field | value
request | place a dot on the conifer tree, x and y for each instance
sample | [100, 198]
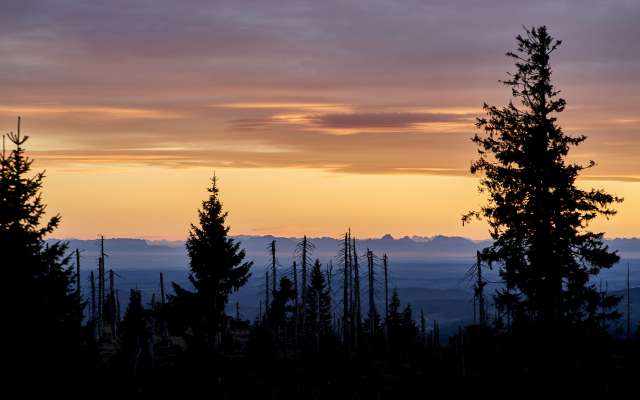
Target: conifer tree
[318, 304]
[394, 318]
[281, 304]
[408, 325]
[217, 268]
[134, 335]
[537, 215]
[45, 312]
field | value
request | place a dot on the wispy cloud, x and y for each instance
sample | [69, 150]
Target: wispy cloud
[357, 87]
[111, 112]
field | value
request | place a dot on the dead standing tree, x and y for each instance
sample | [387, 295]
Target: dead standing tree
[329, 273]
[92, 312]
[78, 290]
[385, 264]
[101, 290]
[274, 263]
[346, 295]
[474, 275]
[296, 305]
[304, 251]
[357, 314]
[372, 305]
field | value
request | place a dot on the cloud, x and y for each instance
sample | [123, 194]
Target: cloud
[348, 86]
[112, 112]
[383, 120]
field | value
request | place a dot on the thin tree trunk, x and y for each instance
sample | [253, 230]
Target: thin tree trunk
[345, 296]
[357, 317]
[92, 280]
[273, 266]
[303, 298]
[372, 307]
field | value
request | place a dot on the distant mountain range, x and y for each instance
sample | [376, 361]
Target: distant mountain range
[429, 272]
[142, 254]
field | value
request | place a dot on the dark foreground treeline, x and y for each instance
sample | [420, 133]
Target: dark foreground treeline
[319, 332]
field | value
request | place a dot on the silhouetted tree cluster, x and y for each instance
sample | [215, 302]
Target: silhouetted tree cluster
[322, 333]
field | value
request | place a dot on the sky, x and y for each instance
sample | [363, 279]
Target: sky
[316, 116]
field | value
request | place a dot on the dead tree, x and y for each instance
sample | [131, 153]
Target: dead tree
[474, 274]
[272, 248]
[385, 263]
[357, 315]
[482, 311]
[101, 294]
[296, 310]
[345, 296]
[92, 313]
[372, 306]
[304, 250]
[350, 285]
[78, 293]
[329, 274]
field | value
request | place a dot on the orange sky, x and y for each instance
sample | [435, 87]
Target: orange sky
[315, 117]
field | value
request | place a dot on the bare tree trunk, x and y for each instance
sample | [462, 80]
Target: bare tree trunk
[372, 307]
[101, 279]
[78, 293]
[345, 296]
[273, 266]
[482, 312]
[357, 316]
[303, 298]
[92, 280]
[385, 263]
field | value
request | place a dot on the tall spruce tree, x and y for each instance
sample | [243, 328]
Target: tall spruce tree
[537, 215]
[42, 312]
[217, 268]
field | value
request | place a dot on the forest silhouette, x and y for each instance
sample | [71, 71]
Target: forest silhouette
[321, 330]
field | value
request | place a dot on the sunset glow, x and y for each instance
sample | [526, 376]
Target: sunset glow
[314, 118]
